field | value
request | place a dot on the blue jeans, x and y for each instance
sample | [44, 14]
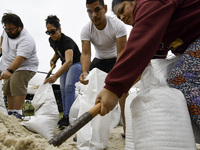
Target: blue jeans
[67, 86]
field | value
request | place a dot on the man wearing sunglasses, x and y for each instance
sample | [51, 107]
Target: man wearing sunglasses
[19, 62]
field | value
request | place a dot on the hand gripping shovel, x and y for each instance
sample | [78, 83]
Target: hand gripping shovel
[58, 139]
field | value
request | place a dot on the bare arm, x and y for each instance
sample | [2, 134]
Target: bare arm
[63, 68]
[53, 60]
[1, 44]
[121, 42]
[17, 62]
[85, 61]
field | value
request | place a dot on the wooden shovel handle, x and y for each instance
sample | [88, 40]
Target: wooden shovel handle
[50, 71]
[95, 110]
[58, 139]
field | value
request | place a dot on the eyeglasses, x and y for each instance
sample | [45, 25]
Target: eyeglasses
[53, 31]
[7, 29]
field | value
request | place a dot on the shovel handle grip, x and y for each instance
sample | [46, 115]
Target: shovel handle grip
[95, 110]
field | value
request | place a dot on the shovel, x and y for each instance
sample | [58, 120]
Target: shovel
[58, 139]
[50, 71]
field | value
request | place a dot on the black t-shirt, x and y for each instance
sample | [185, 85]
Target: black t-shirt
[64, 44]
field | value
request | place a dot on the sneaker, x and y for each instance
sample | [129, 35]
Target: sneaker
[10, 113]
[63, 122]
[123, 135]
[17, 115]
[75, 139]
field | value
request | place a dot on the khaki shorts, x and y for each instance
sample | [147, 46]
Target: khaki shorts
[17, 84]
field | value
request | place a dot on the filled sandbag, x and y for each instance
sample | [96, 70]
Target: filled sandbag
[2, 103]
[160, 118]
[129, 143]
[74, 110]
[46, 114]
[95, 134]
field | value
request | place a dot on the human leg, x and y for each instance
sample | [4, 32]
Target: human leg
[72, 77]
[15, 102]
[122, 101]
[62, 88]
[68, 91]
[185, 76]
[15, 90]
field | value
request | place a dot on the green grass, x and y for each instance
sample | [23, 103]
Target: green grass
[28, 109]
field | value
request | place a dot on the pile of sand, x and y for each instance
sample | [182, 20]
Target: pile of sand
[13, 136]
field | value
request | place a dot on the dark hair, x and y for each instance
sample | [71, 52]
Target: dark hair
[54, 20]
[92, 1]
[115, 2]
[11, 18]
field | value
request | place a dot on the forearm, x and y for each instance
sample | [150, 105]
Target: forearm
[54, 58]
[17, 62]
[1, 44]
[85, 62]
[121, 43]
[63, 69]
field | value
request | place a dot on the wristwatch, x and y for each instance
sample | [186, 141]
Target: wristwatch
[10, 70]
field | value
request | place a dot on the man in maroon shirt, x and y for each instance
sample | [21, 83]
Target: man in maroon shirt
[158, 26]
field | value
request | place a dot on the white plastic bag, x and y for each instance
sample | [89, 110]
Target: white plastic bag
[46, 113]
[160, 115]
[2, 104]
[74, 110]
[95, 134]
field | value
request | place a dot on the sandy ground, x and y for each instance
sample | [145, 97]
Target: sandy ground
[13, 136]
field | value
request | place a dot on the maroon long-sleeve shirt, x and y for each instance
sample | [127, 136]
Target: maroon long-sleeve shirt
[157, 24]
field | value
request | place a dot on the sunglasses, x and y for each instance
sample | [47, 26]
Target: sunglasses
[53, 31]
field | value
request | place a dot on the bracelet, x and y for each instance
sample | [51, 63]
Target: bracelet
[10, 70]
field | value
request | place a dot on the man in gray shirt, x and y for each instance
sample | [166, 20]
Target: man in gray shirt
[19, 62]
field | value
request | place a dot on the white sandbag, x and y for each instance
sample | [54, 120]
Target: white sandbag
[129, 143]
[2, 103]
[161, 120]
[74, 110]
[196, 132]
[157, 73]
[115, 116]
[160, 115]
[44, 125]
[95, 134]
[45, 98]
[46, 113]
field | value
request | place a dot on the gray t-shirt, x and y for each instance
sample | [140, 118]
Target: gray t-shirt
[23, 45]
[104, 41]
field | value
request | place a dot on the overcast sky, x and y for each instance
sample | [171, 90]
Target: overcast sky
[72, 15]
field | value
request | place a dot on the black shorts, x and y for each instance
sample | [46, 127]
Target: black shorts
[103, 64]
